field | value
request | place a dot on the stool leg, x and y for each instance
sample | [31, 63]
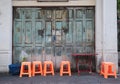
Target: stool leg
[41, 69]
[61, 70]
[105, 71]
[115, 75]
[52, 69]
[29, 70]
[69, 69]
[21, 70]
[33, 70]
[45, 69]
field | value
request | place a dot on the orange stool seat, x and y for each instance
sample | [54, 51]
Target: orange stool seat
[108, 68]
[48, 68]
[65, 68]
[25, 69]
[36, 67]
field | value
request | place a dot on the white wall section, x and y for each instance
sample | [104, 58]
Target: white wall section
[69, 3]
[106, 32]
[5, 34]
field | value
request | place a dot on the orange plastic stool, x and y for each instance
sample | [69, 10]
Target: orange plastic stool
[36, 67]
[108, 68]
[65, 68]
[24, 71]
[48, 68]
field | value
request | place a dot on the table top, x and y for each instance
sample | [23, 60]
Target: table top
[84, 54]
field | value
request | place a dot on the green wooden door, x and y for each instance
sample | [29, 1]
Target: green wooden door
[84, 31]
[52, 33]
[27, 42]
[55, 21]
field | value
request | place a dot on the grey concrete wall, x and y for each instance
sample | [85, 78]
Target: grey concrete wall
[5, 34]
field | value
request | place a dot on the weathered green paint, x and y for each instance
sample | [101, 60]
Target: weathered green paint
[57, 31]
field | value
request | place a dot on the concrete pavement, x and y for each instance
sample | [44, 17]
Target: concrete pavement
[83, 78]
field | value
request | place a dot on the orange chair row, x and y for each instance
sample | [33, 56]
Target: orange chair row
[30, 69]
